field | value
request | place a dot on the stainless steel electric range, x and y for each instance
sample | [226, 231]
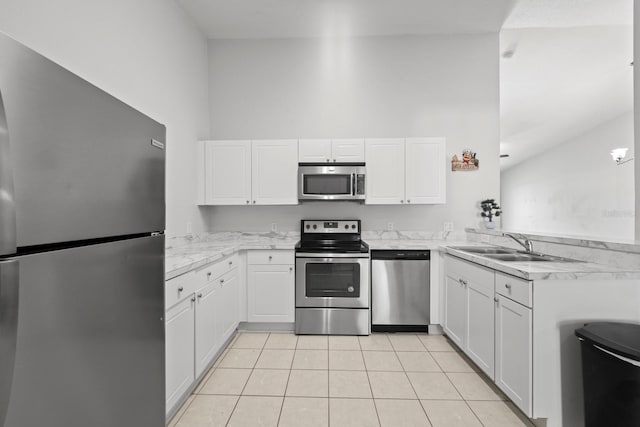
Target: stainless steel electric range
[333, 291]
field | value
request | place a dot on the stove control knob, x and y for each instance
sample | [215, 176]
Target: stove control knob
[353, 226]
[315, 226]
[350, 289]
[346, 226]
[308, 226]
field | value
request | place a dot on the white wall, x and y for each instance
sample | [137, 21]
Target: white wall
[576, 188]
[147, 53]
[362, 87]
[636, 97]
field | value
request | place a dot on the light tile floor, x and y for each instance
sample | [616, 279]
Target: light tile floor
[280, 379]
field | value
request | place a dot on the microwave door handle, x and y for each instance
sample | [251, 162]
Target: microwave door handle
[354, 184]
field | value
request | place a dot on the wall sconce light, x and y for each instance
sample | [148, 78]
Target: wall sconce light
[618, 155]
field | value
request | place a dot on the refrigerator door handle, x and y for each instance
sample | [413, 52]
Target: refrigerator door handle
[9, 296]
[7, 199]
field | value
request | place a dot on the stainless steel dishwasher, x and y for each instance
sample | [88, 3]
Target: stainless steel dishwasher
[400, 289]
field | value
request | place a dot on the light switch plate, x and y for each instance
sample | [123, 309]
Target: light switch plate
[274, 227]
[448, 226]
[389, 226]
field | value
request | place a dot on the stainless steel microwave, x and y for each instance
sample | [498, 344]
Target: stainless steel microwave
[320, 181]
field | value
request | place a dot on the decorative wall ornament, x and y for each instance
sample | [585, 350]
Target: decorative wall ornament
[468, 162]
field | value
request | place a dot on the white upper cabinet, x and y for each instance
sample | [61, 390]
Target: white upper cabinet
[347, 150]
[406, 171]
[274, 172]
[227, 172]
[425, 167]
[385, 171]
[314, 150]
[331, 150]
[248, 172]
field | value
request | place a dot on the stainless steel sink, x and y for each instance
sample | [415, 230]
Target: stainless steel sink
[510, 255]
[527, 257]
[484, 249]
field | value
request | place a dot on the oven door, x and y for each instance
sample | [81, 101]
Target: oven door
[328, 280]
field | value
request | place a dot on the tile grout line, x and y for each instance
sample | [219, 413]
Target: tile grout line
[245, 384]
[284, 393]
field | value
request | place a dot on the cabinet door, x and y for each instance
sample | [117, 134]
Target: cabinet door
[385, 171]
[314, 150]
[480, 324]
[271, 293]
[206, 340]
[227, 306]
[513, 352]
[455, 309]
[347, 150]
[425, 162]
[274, 172]
[227, 172]
[179, 350]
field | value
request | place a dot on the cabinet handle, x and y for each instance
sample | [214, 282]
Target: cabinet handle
[401, 201]
[290, 269]
[334, 160]
[208, 275]
[247, 202]
[495, 299]
[221, 280]
[408, 201]
[507, 285]
[230, 262]
[199, 295]
[462, 282]
[254, 202]
[328, 160]
[181, 288]
[270, 257]
[193, 299]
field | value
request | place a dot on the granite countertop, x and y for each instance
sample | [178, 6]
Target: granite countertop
[183, 254]
[546, 270]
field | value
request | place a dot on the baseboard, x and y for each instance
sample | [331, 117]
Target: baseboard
[266, 327]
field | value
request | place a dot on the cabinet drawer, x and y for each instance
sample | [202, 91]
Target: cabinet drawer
[270, 257]
[459, 269]
[178, 288]
[216, 269]
[514, 288]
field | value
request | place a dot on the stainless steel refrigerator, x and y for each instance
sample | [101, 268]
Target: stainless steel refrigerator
[81, 251]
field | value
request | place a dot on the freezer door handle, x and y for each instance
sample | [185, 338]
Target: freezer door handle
[7, 199]
[8, 330]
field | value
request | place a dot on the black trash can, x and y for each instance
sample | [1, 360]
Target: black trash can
[611, 374]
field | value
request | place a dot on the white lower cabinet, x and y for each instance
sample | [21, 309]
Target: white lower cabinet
[206, 342]
[199, 322]
[469, 310]
[485, 317]
[270, 286]
[455, 313]
[480, 324]
[514, 352]
[179, 349]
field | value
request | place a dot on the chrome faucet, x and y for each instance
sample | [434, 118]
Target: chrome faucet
[527, 244]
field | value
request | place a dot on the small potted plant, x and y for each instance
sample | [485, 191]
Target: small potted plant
[490, 209]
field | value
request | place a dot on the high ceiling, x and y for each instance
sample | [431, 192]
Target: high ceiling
[565, 69]
[564, 63]
[319, 18]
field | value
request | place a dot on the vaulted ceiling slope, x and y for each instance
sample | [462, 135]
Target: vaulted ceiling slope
[565, 69]
[243, 19]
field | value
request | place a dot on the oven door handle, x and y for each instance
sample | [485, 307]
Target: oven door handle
[332, 255]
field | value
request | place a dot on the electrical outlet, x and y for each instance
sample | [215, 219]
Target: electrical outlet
[448, 226]
[189, 228]
[274, 227]
[389, 226]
